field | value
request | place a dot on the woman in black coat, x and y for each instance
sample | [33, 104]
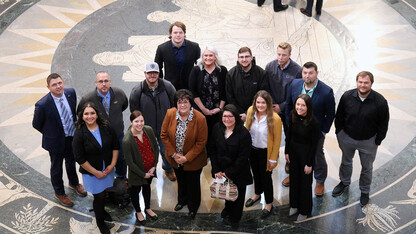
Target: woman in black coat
[95, 146]
[301, 143]
[229, 158]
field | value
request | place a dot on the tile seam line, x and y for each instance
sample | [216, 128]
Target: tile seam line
[355, 203]
[409, 5]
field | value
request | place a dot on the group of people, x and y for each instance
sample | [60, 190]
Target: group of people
[195, 109]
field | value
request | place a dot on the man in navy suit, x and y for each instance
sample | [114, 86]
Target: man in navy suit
[178, 55]
[55, 118]
[323, 103]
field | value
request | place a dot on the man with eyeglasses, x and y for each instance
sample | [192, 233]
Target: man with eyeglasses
[243, 81]
[111, 102]
[153, 97]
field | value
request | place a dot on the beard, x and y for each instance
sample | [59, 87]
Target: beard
[364, 93]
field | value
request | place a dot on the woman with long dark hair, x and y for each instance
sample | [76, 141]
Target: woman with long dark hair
[141, 152]
[265, 128]
[301, 143]
[95, 147]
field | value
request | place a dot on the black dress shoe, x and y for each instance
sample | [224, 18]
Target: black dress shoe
[191, 214]
[339, 189]
[141, 222]
[154, 217]
[284, 7]
[250, 202]
[178, 207]
[265, 212]
[260, 2]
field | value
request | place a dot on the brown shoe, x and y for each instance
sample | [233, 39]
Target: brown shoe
[64, 200]
[171, 175]
[286, 182]
[319, 189]
[79, 189]
[303, 10]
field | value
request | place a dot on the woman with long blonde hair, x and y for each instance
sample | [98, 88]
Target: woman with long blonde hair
[265, 127]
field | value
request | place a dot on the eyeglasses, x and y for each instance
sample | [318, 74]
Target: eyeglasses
[152, 73]
[228, 116]
[183, 103]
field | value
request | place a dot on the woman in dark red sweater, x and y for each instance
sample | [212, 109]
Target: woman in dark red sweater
[141, 153]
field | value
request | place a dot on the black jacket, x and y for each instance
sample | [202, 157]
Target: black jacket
[241, 86]
[231, 155]
[87, 149]
[178, 77]
[196, 81]
[118, 103]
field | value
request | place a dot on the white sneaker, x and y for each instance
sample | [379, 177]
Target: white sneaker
[293, 211]
[301, 217]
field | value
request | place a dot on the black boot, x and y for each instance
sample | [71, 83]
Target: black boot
[102, 226]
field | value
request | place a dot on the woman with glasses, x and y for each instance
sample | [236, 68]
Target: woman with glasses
[184, 134]
[229, 158]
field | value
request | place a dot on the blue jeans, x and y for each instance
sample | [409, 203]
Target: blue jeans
[165, 164]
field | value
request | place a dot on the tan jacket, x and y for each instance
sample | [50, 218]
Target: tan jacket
[273, 140]
[195, 140]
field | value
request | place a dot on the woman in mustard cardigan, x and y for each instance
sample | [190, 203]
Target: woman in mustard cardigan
[265, 128]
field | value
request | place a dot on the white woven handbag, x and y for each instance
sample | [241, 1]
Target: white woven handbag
[224, 189]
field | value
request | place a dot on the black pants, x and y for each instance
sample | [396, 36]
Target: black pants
[98, 206]
[56, 171]
[211, 121]
[134, 193]
[300, 191]
[235, 209]
[262, 178]
[189, 188]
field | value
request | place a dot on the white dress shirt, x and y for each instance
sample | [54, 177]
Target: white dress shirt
[259, 132]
